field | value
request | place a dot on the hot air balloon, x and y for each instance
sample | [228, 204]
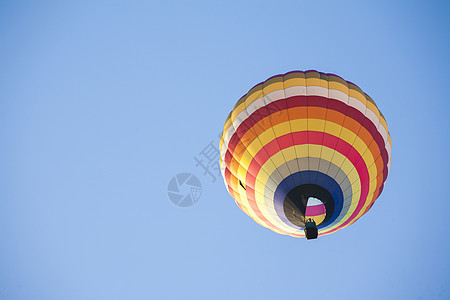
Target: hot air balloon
[305, 153]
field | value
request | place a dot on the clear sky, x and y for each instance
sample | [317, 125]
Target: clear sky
[103, 102]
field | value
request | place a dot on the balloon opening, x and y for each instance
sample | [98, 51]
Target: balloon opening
[308, 203]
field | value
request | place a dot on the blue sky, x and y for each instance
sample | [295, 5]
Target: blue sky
[103, 102]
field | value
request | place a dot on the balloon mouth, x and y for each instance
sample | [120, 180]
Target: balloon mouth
[308, 202]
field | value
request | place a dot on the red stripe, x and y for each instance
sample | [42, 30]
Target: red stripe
[309, 101]
[315, 210]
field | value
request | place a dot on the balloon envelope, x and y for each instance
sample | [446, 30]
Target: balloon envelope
[305, 145]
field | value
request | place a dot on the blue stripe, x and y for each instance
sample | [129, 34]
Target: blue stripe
[309, 177]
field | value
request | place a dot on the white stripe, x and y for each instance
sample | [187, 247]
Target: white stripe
[313, 202]
[353, 102]
[316, 91]
[295, 91]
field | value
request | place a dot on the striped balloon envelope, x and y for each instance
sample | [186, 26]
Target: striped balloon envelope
[305, 146]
